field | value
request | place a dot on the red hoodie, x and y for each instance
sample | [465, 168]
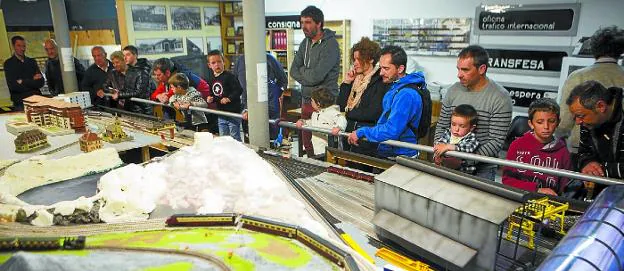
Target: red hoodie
[527, 149]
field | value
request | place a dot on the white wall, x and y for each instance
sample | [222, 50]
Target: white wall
[593, 14]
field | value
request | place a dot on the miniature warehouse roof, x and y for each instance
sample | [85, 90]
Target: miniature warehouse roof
[490, 207]
[30, 136]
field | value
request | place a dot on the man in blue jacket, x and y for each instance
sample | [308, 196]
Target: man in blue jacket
[402, 106]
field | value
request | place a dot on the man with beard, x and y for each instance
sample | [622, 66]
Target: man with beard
[316, 64]
[403, 106]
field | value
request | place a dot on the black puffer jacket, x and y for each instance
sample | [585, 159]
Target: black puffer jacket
[368, 111]
[137, 85]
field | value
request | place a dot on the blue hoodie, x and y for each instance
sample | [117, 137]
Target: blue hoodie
[404, 106]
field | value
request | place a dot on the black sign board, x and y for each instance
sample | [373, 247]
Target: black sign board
[561, 19]
[287, 21]
[528, 60]
[523, 96]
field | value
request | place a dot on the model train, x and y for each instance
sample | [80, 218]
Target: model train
[309, 239]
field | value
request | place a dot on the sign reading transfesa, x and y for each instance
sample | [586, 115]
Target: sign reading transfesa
[550, 19]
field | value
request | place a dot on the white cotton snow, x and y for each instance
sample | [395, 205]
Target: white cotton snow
[38, 170]
[215, 175]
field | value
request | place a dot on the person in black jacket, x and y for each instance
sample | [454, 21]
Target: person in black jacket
[135, 84]
[362, 91]
[131, 56]
[598, 110]
[95, 76]
[22, 74]
[226, 92]
[53, 70]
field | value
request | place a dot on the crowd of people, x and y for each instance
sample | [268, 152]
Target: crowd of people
[378, 100]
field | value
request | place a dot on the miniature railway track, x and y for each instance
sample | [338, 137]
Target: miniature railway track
[338, 198]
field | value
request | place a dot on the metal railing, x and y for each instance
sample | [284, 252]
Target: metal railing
[462, 155]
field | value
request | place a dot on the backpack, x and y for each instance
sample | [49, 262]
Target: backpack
[425, 117]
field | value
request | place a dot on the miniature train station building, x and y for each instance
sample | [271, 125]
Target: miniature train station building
[51, 112]
[89, 142]
[30, 141]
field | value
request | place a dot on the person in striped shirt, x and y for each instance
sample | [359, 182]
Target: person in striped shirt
[490, 99]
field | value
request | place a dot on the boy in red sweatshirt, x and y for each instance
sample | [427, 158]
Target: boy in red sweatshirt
[539, 147]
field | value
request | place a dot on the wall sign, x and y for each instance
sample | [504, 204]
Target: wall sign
[537, 20]
[523, 94]
[529, 60]
[287, 21]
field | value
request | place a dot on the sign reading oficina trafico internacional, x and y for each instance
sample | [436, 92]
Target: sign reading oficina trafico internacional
[536, 20]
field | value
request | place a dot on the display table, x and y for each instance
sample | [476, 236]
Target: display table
[139, 140]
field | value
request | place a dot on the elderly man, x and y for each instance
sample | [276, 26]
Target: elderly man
[598, 111]
[53, 70]
[22, 74]
[95, 76]
[490, 99]
[607, 44]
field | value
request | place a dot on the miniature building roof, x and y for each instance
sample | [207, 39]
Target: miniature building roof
[89, 136]
[37, 100]
[29, 136]
[466, 199]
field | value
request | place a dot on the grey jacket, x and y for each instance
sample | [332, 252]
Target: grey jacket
[193, 97]
[317, 64]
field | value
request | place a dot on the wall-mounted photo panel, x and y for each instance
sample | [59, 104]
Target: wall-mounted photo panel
[149, 18]
[185, 18]
[195, 46]
[212, 16]
[213, 43]
[159, 46]
[420, 36]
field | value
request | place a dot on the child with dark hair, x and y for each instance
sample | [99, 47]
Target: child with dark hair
[326, 115]
[538, 147]
[185, 96]
[459, 137]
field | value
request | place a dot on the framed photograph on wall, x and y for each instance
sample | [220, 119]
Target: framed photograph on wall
[212, 16]
[149, 18]
[213, 43]
[185, 18]
[160, 46]
[194, 46]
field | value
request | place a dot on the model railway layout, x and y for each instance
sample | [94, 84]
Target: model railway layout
[306, 237]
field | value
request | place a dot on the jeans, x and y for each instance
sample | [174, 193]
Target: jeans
[230, 126]
[486, 173]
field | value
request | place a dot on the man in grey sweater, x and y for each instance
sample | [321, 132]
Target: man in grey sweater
[490, 99]
[317, 64]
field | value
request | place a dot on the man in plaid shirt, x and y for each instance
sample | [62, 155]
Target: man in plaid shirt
[459, 137]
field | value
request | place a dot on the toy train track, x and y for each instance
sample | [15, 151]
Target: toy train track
[306, 237]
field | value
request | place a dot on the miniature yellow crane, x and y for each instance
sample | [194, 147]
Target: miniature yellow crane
[401, 261]
[542, 209]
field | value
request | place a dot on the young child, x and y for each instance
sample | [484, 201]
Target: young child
[459, 137]
[326, 115]
[539, 147]
[226, 92]
[185, 96]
